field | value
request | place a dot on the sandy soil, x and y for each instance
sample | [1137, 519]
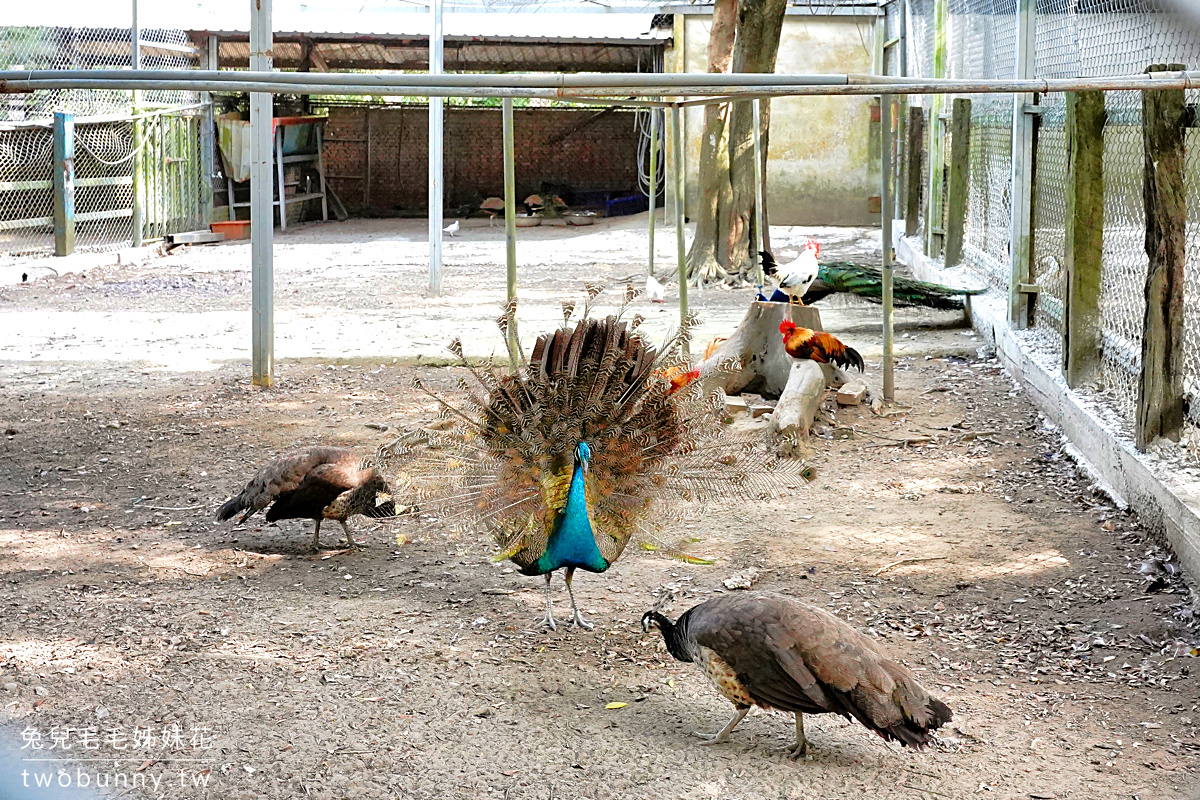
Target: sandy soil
[955, 531]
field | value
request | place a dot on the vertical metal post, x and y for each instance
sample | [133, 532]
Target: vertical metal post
[208, 138]
[64, 183]
[902, 116]
[1021, 193]
[760, 198]
[436, 175]
[510, 221]
[262, 223]
[885, 198]
[653, 185]
[279, 177]
[937, 135]
[680, 248]
[135, 58]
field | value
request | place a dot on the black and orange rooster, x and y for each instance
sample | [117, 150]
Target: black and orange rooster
[818, 346]
[320, 483]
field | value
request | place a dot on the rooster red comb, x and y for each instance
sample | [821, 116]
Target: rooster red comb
[787, 326]
[814, 245]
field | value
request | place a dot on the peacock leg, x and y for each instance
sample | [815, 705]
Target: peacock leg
[349, 538]
[549, 605]
[577, 618]
[316, 542]
[723, 734]
[801, 745]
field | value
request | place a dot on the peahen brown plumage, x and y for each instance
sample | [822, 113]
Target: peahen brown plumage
[565, 459]
[767, 650]
[321, 483]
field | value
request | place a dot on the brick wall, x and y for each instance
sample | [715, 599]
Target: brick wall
[393, 176]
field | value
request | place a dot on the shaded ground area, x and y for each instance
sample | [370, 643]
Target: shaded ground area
[953, 528]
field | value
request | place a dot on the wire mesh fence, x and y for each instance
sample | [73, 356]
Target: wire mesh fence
[1073, 38]
[117, 151]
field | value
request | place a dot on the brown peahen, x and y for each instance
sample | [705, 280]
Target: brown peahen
[772, 651]
[563, 460]
[322, 483]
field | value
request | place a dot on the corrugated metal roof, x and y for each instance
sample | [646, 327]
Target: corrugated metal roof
[512, 27]
[395, 20]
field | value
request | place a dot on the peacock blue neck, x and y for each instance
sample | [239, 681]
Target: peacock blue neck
[572, 543]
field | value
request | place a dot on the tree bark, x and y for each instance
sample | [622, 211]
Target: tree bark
[759, 25]
[765, 118]
[707, 253]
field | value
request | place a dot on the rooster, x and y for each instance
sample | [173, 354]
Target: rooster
[818, 346]
[794, 277]
[320, 483]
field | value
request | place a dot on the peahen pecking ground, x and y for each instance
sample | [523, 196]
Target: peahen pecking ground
[957, 532]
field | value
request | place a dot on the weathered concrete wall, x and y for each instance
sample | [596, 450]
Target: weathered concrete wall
[819, 167]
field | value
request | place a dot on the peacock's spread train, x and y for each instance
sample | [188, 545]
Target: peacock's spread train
[569, 456]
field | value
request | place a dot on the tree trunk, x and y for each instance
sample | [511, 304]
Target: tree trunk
[704, 260]
[759, 25]
[765, 118]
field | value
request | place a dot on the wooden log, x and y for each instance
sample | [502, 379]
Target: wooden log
[1084, 235]
[916, 146]
[799, 402]
[959, 185]
[753, 358]
[1160, 385]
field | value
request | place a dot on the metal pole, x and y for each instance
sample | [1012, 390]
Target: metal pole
[64, 183]
[760, 198]
[262, 223]
[1022, 169]
[885, 190]
[680, 249]
[611, 94]
[135, 57]
[436, 174]
[510, 222]
[207, 139]
[653, 185]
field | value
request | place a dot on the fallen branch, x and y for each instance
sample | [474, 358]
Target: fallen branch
[886, 567]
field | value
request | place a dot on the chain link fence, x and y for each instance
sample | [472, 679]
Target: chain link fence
[1072, 38]
[148, 145]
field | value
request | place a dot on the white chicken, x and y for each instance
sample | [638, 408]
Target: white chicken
[655, 290]
[797, 276]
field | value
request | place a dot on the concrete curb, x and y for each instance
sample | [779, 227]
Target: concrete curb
[1111, 461]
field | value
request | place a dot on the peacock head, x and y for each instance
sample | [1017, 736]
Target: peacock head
[583, 454]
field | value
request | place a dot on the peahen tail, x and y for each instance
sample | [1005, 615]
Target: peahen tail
[864, 281]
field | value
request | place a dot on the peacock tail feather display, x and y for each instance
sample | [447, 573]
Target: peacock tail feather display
[590, 442]
[867, 282]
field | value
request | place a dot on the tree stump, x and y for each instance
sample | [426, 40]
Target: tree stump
[761, 365]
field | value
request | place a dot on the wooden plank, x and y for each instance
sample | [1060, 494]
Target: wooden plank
[960, 172]
[64, 184]
[1160, 385]
[1084, 245]
[916, 149]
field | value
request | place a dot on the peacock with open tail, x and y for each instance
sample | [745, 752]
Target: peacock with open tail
[567, 457]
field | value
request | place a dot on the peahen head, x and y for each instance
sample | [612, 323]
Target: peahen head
[654, 621]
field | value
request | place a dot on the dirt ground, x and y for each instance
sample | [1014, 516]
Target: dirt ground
[953, 528]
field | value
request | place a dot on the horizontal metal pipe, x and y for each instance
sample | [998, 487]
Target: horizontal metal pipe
[271, 87]
[630, 80]
[703, 86]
